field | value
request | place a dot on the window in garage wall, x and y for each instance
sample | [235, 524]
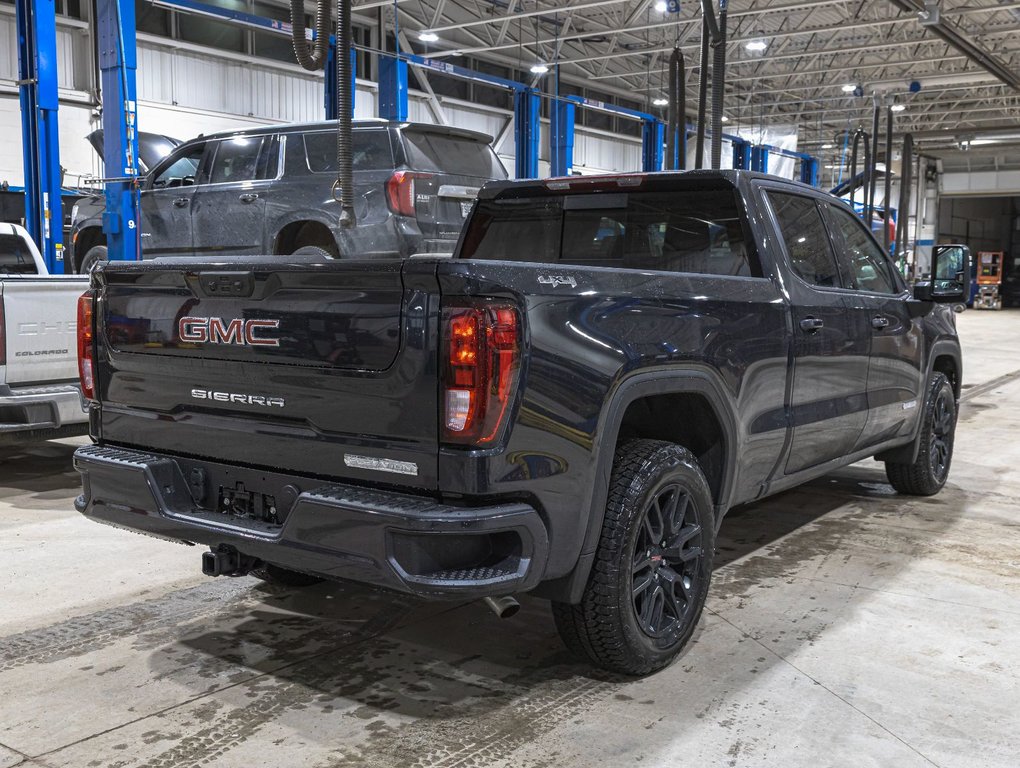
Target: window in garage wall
[269, 45]
[152, 20]
[215, 34]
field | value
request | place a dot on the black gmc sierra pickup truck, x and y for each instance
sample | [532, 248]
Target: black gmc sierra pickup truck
[567, 407]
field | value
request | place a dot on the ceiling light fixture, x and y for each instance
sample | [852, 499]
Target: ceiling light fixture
[898, 107]
[849, 88]
[428, 36]
[661, 6]
[757, 46]
[539, 68]
[826, 146]
[661, 101]
[725, 119]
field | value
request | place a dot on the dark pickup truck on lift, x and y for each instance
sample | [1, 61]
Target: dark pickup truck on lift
[567, 407]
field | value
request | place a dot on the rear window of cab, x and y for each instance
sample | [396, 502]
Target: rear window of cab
[694, 231]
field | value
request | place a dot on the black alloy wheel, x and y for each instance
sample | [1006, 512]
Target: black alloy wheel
[666, 562]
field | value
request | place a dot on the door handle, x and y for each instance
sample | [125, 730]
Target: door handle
[248, 197]
[180, 202]
[879, 322]
[811, 324]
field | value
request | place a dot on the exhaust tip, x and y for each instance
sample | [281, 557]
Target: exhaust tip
[504, 607]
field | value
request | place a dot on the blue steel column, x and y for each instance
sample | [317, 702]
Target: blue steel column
[392, 88]
[809, 171]
[329, 81]
[653, 134]
[760, 159]
[561, 137]
[37, 75]
[526, 132]
[115, 24]
[741, 155]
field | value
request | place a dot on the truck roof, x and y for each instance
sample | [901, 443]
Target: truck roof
[625, 181]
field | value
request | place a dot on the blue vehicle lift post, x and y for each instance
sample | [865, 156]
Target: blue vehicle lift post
[115, 25]
[37, 86]
[393, 94]
[562, 114]
[653, 137]
[527, 132]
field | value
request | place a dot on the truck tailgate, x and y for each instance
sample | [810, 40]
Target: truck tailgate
[320, 369]
[39, 317]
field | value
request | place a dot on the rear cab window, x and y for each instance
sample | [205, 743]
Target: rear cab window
[694, 230]
[452, 154]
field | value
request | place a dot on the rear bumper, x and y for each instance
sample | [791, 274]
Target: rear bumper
[408, 543]
[31, 412]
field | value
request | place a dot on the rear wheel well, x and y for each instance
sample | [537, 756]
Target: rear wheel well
[87, 239]
[298, 234]
[947, 365]
[685, 418]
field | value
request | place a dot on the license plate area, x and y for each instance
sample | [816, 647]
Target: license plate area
[239, 501]
[240, 494]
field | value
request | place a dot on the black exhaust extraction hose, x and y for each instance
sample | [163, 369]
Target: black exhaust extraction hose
[859, 136]
[906, 196]
[345, 114]
[699, 147]
[887, 191]
[872, 170]
[718, 86]
[676, 120]
[312, 58]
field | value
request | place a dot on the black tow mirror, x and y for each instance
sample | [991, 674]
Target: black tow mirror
[950, 275]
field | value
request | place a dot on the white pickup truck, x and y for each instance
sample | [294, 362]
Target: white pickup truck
[40, 398]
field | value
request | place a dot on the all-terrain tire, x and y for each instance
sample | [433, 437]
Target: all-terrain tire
[627, 620]
[928, 473]
[284, 577]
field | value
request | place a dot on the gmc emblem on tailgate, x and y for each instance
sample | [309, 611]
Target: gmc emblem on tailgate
[216, 330]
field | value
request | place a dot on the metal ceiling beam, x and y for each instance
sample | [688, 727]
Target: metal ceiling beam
[961, 43]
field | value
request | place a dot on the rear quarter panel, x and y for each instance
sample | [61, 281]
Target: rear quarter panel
[583, 343]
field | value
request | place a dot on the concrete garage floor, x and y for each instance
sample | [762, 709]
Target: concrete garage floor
[846, 626]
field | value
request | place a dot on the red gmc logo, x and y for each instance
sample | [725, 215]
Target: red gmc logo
[216, 330]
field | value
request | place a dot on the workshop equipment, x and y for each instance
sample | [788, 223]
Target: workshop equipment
[989, 279]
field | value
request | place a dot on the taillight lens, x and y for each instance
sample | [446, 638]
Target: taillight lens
[400, 191]
[86, 369]
[482, 353]
[3, 335]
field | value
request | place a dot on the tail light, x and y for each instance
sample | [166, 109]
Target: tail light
[400, 191]
[482, 352]
[86, 369]
[3, 334]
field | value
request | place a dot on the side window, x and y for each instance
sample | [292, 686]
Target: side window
[181, 170]
[806, 239]
[269, 159]
[15, 258]
[372, 150]
[860, 257]
[236, 160]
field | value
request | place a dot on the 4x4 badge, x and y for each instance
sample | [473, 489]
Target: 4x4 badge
[555, 280]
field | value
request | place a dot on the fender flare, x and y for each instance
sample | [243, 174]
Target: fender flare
[640, 385]
[945, 347]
